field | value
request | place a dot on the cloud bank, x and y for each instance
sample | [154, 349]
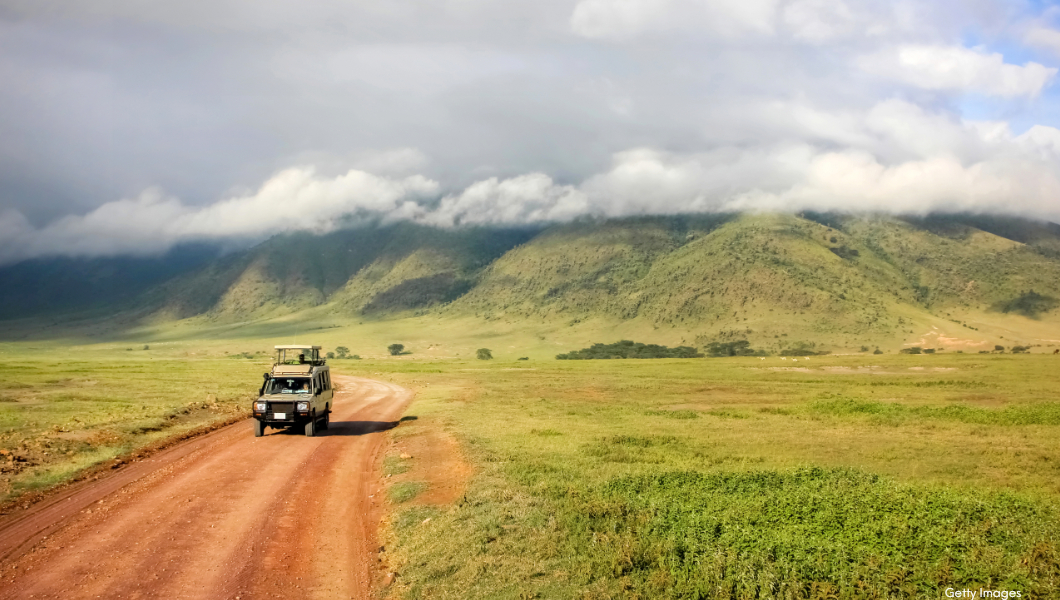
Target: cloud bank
[960, 166]
[129, 127]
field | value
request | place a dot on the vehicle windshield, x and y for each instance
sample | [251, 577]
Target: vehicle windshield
[288, 385]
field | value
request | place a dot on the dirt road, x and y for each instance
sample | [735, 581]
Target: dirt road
[226, 515]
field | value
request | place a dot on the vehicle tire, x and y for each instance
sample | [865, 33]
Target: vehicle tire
[259, 428]
[311, 426]
[325, 421]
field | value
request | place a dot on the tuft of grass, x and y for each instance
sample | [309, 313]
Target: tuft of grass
[394, 465]
[1039, 414]
[673, 414]
[404, 491]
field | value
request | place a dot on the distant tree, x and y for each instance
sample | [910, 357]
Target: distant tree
[877, 351]
[341, 351]
[999, 348]
[628, 349]
[396, 349]
[146, 347]
[524, 358]
[913, 350]
[356, 357]
[864, 349]
[929, 350]
[483, 354]
[737, 348]
[331, 355]
[802, 349]
[1020, 349]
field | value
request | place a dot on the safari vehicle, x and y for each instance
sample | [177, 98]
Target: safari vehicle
[296, 393]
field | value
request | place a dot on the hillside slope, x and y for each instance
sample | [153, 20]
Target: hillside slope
[777, 280]
[842, 279]
[354, 270]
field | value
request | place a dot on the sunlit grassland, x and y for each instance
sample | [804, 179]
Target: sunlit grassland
[836, 476]
[64, 409]
[839, 476]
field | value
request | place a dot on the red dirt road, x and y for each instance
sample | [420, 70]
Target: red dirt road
[226, 515]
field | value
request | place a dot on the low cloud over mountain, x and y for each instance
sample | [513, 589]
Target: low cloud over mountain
[129, 128]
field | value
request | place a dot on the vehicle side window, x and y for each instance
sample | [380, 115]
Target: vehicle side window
[327, 378]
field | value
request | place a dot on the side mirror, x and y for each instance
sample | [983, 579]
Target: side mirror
[265, 375]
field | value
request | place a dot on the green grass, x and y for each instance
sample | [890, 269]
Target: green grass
[64, 409]
[404, 491]
[839, 476]
[769, 533]
[770, 484]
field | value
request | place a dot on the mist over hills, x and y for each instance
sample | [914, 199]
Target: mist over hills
[775, 279]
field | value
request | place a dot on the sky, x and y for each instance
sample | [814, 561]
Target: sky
[128, 127]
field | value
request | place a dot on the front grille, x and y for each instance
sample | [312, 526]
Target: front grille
[281, 407]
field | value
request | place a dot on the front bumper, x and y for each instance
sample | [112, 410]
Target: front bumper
[281, 413]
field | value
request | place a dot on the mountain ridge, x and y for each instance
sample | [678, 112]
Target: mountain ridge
[828, 278]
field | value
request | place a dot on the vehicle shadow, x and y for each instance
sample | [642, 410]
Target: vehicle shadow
[357, 427]
[336, 428]
[362, 427]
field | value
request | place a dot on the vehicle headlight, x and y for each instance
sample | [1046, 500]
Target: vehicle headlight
[260, 406]
[303, 407]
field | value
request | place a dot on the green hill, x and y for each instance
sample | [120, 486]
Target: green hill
[780, 281]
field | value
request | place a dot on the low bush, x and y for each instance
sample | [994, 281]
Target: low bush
[737, 348]
[628, 349]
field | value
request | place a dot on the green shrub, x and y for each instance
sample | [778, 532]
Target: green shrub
[913, 350]
[396, 349]
[802, 349]
[628, 349]
[483, 354]
[737, 348]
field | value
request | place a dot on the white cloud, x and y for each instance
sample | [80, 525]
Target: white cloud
[936, 163]
[470, 111]
[623, 19]
[819, 21]
[1044, 37]
[292, 200]
[960, 69]
[532, 198]
[648, 181]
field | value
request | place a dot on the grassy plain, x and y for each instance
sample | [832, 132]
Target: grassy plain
[856, 476]
[64, 409]
[834, 476]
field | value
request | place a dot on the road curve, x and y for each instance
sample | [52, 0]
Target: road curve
[226, 515]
